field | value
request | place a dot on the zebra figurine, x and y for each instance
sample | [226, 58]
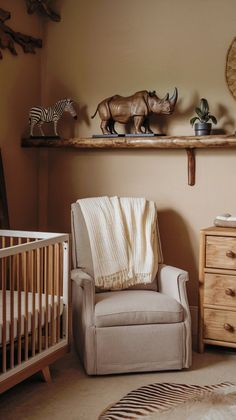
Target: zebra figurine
[39, 115]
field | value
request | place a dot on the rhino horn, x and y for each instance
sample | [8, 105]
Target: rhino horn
[166, 98]
[173, 98]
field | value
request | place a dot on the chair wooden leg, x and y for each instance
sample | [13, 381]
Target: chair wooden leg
[46, 375]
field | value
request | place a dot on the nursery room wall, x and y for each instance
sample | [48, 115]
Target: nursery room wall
[20, 89]
[104, 48]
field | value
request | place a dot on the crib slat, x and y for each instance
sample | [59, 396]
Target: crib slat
[18, 277]
[52, 292]
[11, 272]
[26, 321]
[39, 276]
[33, 256]
[46, 294]
[49, 291]
[60, 278]
[57, 290]
[3, 241]
[11, 280]
[4, 349]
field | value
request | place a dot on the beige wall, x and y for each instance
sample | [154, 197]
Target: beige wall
[20, 89]
[106, 47]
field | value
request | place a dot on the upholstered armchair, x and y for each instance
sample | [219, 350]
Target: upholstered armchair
[129, 330]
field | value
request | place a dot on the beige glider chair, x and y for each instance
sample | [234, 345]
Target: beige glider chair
[128, 330]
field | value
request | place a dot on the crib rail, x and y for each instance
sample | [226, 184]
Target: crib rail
[33, 295]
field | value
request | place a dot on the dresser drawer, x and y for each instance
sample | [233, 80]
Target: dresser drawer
[220, 289]
[220, 325]
[221, 252]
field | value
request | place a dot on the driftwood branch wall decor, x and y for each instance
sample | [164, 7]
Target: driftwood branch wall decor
[230, 71]
[43, 8]
[8, 37]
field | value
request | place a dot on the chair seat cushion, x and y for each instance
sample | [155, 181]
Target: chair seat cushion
[136, 307]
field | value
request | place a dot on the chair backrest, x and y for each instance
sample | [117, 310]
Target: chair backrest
[81, 250]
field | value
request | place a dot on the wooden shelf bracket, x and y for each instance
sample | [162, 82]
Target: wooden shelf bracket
[191, 166]
[189, 143]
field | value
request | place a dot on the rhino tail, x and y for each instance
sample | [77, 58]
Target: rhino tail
[105, 103]
[92, 116]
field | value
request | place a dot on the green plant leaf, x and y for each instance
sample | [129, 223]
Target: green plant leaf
[192, 121]
[213, 119]
[199, 112]
[204, 106]
[205, 119]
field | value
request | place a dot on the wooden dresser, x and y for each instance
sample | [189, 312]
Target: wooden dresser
[217, 287]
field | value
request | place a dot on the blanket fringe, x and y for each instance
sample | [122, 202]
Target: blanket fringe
[123, 279]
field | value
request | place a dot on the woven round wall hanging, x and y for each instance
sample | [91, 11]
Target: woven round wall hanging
[230, 71]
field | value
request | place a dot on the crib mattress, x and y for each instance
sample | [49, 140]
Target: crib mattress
[30, 311]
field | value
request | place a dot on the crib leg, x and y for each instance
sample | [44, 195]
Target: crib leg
[46, 374]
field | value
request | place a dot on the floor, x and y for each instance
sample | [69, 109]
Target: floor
[75, 396]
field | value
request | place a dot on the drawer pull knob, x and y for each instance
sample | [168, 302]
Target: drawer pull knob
[228, 327]
[230, 254]
[229, 292]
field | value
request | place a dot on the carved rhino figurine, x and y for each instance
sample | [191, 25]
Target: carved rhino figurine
[137, 107]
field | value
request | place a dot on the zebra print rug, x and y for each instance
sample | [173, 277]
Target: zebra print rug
[176, 402]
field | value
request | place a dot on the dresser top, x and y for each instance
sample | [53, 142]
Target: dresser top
[219, 231]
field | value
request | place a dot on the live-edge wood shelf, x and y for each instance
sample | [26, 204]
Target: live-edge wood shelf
[189, 143]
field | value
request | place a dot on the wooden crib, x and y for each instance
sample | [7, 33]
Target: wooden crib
[34, 304]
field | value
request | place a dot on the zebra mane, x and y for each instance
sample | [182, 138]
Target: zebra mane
[65, 100]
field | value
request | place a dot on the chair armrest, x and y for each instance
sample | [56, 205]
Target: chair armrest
[83, 294]
[172, 282]
[80, 277]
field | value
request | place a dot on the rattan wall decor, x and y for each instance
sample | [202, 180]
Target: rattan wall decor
[230, 71]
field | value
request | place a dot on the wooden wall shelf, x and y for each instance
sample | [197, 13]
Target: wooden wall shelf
[190, 143]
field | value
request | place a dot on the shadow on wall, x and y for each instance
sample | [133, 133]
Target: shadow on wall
[66, 127]
[161, 123]
[177, 248]
[227, 121]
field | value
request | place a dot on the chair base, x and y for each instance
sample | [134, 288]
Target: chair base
[136, 348]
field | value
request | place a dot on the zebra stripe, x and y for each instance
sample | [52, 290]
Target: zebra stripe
[39, 115]
[156, 398]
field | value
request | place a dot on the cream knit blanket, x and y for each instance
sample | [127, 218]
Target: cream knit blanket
[123, 240]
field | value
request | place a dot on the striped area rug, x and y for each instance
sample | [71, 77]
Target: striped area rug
[176, 401]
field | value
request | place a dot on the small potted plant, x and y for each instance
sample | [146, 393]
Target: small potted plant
[203, 127]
